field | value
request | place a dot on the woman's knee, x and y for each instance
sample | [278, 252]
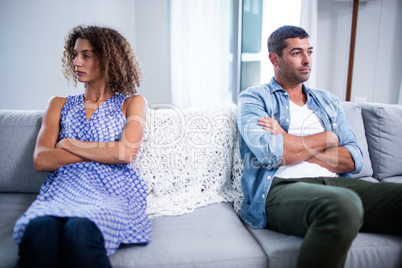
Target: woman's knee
[79, 232]
[82, 244]
[41, 230]
[39, 246]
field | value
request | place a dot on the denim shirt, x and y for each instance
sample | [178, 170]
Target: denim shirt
[262, 151]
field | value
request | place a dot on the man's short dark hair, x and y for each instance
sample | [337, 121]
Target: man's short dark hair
[276, 41]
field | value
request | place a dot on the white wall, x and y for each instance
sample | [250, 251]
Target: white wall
[32, 39]
[153, 48]
[378, 62]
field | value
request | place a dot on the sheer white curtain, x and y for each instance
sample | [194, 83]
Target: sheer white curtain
[308, 21]
[200, 52]
[400, 93]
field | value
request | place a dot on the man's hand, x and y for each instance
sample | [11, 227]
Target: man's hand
[271, 125]
[301, 148]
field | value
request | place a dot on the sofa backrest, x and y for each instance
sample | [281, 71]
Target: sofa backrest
[185, 157]
[18, 132]
[383, 126]
[190, 157]
[354, 115]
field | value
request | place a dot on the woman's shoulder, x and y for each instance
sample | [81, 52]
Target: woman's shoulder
[54, 107]
[57, 101]
[135, 103]
[136, 100]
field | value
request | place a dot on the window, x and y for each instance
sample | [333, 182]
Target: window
[259, 19]
[218, 47]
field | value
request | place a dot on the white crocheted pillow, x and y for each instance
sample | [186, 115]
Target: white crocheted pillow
[186, 158]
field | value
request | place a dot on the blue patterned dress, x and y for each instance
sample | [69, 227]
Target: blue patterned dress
[112, 196]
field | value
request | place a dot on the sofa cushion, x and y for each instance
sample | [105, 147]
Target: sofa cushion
[186, 157]
[396, 179]
[354, 116]
[383, 125]
[18, 131]
[368, 250]
[212, 236]
[12, 206]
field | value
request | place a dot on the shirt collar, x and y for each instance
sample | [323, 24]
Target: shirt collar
[274, 86]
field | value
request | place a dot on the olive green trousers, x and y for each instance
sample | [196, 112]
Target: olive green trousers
[329, 212]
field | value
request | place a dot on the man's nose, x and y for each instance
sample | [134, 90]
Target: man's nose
[307, 59]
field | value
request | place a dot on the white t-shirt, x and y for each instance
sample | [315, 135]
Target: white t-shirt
[303, 122]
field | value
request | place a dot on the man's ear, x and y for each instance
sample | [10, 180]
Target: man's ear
[274, 58]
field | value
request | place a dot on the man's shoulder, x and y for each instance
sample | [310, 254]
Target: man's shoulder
[263, 88]
[330, 102]
[259, 92]
[323, 95]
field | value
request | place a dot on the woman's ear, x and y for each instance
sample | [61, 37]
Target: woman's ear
[274, 58]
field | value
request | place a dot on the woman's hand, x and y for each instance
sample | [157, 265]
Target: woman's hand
[119, 152]
[68, 143]
[48, 155]
[271, 125]
[59, 144]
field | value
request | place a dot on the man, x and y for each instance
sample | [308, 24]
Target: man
[298, 151]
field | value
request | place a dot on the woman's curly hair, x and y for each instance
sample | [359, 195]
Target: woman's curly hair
[118, 63]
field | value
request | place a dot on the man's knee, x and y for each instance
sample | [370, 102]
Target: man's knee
[341, 212]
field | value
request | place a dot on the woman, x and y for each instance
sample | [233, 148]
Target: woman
[92, 200]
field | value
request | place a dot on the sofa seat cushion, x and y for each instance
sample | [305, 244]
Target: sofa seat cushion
[368, 250]
[12, 206]
[371, 179]
[383, 128]
[396, 179]
[211, 236]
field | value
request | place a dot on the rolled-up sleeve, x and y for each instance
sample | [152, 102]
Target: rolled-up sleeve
[349, 140]
[265, 146]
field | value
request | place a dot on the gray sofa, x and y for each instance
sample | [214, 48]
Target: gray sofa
[190, 161]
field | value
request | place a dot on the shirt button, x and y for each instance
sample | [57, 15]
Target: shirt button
[287, 107]
[263, 196]
[286, 93]
[334, 124]
[287, 120]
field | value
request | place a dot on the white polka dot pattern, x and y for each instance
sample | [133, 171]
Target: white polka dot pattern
[112, 196]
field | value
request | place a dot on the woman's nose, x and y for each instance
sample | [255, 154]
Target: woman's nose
[76, 61]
